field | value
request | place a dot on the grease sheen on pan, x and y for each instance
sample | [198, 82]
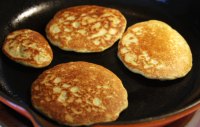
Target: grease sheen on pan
[28, 47]
[79, 93]
[155, 50]
[86, 28]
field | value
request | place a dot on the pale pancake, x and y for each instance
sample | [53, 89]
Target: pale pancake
[86, 28]
[28, 47]
[155, 50]
[79, 93]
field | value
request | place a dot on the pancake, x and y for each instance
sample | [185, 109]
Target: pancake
[155, 50]
[86, 28]
[79, 93]
[28, 47]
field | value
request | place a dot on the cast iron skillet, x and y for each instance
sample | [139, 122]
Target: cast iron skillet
[148, 99]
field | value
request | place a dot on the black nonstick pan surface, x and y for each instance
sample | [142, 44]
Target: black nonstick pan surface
[148, 99]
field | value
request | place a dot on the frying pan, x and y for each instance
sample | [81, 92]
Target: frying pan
[151, 102]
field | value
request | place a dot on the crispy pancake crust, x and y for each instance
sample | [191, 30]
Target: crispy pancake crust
[79, 93]
[86, 28]
[28, 47]
[155, 50]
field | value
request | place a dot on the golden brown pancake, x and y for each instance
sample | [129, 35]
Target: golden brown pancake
[28, 47]
[86, 28]
[79, 93]
[155, 50]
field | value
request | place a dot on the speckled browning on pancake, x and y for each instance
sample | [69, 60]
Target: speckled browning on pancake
[155, 50]
[28, 47]
[86, 28]
[79, 93]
